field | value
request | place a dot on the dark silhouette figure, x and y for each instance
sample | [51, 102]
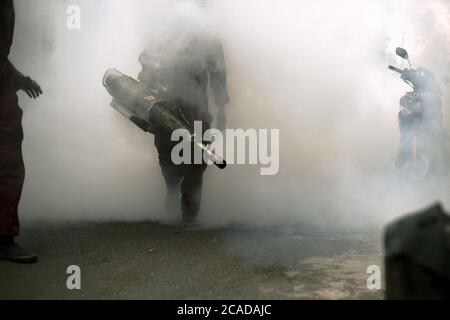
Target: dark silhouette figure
[12, 170]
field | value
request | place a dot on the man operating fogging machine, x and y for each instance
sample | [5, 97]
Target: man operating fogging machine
[172, 94]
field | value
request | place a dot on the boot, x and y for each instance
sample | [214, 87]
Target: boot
[190, 222]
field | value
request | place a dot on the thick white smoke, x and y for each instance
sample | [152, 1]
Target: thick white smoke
[316, 70]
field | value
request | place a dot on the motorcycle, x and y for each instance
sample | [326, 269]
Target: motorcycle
[424, 151]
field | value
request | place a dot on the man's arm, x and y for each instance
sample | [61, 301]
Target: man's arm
[148, 74]
[218, 81]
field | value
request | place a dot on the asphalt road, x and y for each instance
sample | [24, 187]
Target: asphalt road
[151, 261]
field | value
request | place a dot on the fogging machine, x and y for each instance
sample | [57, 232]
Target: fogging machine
[145, 109]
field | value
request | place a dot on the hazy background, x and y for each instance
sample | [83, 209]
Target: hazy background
[316, 70]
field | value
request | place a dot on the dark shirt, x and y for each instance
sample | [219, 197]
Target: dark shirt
[10, 114]
[182, 73]
[7, 18]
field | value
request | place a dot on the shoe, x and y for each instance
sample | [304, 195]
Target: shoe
[192, 226]
[13, 252]
[190, 222]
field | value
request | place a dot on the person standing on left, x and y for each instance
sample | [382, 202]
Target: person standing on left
[12, 169]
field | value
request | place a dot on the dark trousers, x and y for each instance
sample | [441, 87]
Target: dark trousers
[12, 169]
[187, 178]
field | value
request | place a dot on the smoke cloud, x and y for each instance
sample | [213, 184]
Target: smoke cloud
[316, 70]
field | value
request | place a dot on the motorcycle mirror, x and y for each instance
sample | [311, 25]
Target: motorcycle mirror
[402, 53]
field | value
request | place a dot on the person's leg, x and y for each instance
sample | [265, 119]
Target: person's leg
[12, 174]
[192, 184]
[172, 179]
[191, 192]
[12, 170]
[172, 174]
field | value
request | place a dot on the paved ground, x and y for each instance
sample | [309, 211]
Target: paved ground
[149, 261]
